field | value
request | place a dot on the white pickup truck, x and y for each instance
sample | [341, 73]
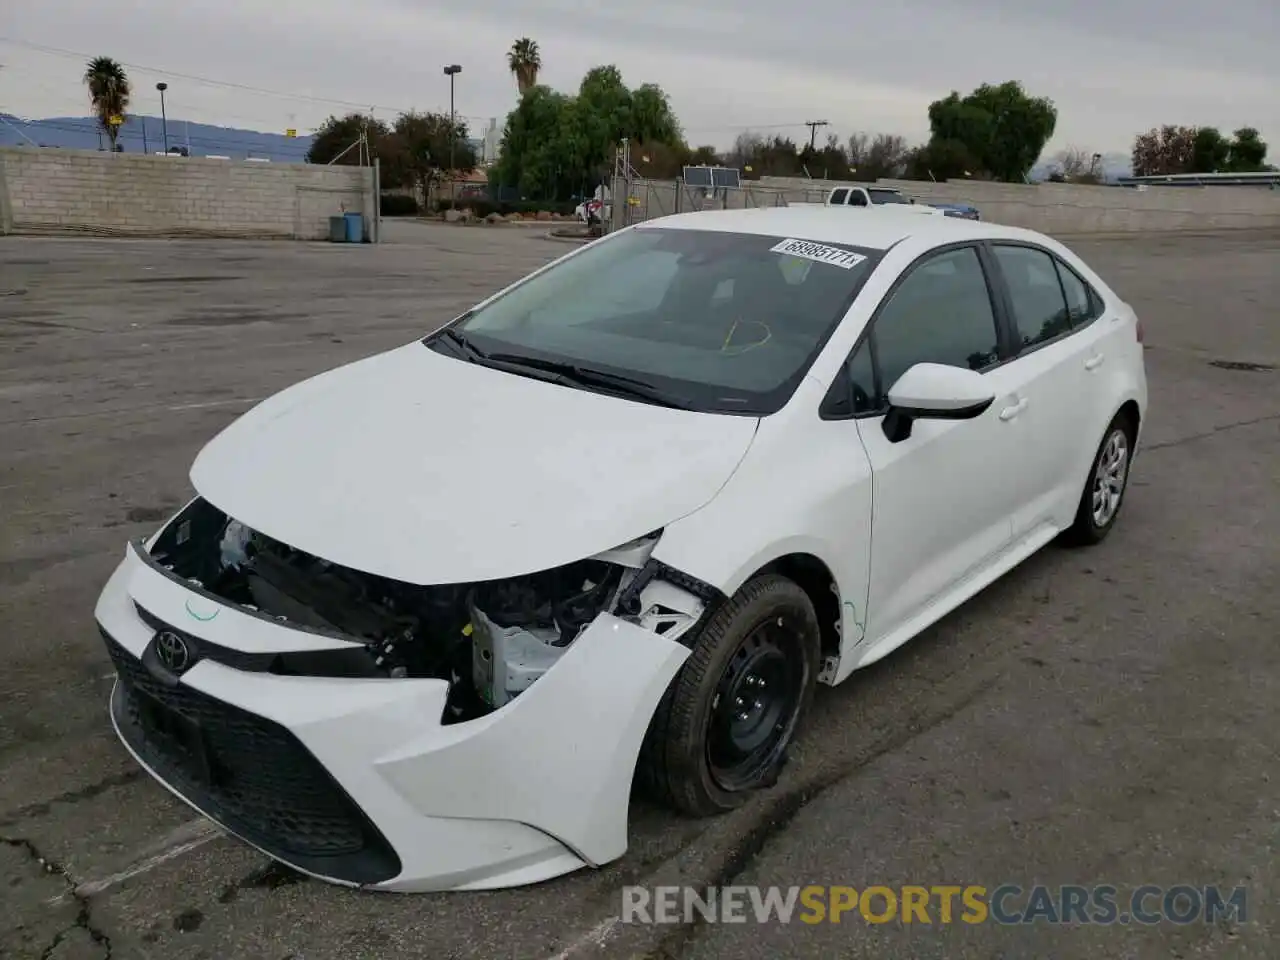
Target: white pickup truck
[872, 196]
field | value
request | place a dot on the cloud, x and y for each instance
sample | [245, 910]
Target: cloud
[728, 66]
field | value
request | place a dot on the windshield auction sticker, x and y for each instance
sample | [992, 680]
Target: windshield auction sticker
[819, 253]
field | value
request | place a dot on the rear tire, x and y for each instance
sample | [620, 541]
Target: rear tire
[724, 725]
[1104, 491]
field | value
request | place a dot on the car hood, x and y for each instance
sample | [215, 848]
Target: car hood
[428, 469]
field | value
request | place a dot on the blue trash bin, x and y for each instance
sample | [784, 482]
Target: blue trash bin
[355, 227]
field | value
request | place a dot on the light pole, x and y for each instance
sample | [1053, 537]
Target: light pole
[452, 71]
[164, 121]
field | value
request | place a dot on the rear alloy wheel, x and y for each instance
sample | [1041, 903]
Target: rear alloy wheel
[1108, 480]
[724, 726]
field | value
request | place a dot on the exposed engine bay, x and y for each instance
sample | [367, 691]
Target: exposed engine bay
[491, 640]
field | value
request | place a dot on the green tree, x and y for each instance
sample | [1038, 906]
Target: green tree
[1247, 152]
[1170, 150]
[942, 159]
[652, 119]
[539, 143]
[109, 93]
[555, 145]
[1000, 127]
[524, 60]
[1210, 151]
[423, 144]
[337, 134]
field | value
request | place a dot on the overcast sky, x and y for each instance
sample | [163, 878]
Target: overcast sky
[1113, 68]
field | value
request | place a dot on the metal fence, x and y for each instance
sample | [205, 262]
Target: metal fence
[635, 199]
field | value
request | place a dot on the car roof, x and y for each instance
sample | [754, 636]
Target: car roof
[875, 228]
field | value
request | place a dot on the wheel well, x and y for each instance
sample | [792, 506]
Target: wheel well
[1129, 411]
[813, 577]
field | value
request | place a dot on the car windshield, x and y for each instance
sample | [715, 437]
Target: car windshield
[887, 196]
[707, 320]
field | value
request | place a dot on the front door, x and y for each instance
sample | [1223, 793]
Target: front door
[942, 497]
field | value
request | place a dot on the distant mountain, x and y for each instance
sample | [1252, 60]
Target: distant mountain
[146, 134]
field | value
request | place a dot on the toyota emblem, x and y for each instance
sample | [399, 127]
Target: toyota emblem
[172, 651]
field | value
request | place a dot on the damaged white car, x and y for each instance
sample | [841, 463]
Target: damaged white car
[430, 613]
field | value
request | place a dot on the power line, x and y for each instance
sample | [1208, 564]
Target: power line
[333, 101]
[226, 84]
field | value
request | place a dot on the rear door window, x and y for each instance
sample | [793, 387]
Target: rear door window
[1083, 304]
[1035, 293]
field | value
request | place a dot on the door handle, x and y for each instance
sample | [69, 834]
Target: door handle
[1008, 413]
[1095, 361]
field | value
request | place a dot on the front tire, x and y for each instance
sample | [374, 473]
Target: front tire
[723, 728]
[1104, 491]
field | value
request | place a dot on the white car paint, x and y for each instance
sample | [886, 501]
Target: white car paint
[468, 818]
[371, 502]
[425, 469]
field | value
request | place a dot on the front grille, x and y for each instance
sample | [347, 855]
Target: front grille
[248, 773]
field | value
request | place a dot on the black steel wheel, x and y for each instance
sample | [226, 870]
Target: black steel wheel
[723, 728]
[756, 705]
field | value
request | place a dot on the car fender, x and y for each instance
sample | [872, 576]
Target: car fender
[803, 488]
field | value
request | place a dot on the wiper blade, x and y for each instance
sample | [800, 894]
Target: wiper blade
[574, 374]
[461, 341]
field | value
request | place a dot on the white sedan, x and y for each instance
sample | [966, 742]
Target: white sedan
[431, 612]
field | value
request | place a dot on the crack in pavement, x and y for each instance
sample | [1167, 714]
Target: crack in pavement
[1165, 444]
[84, 918]
[42, 807]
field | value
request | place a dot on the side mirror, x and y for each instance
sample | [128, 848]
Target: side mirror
[935, 391]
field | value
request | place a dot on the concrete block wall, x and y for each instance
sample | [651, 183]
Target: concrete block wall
[46, 191]
[1068, 208]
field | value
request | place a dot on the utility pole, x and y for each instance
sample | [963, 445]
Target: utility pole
[813, 126]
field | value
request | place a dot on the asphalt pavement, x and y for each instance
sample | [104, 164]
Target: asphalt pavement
[1101, 716]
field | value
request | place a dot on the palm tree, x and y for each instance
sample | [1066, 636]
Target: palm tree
[525, 61]
[108, 93]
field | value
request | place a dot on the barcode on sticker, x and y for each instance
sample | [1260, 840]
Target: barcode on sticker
[819, 253]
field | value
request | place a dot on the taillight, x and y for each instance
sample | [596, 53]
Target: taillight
[1138, 328]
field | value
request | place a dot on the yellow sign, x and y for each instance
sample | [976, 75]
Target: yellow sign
[291, 132]
[116, 120]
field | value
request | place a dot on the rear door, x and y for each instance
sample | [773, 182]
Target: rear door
[1052, 313]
